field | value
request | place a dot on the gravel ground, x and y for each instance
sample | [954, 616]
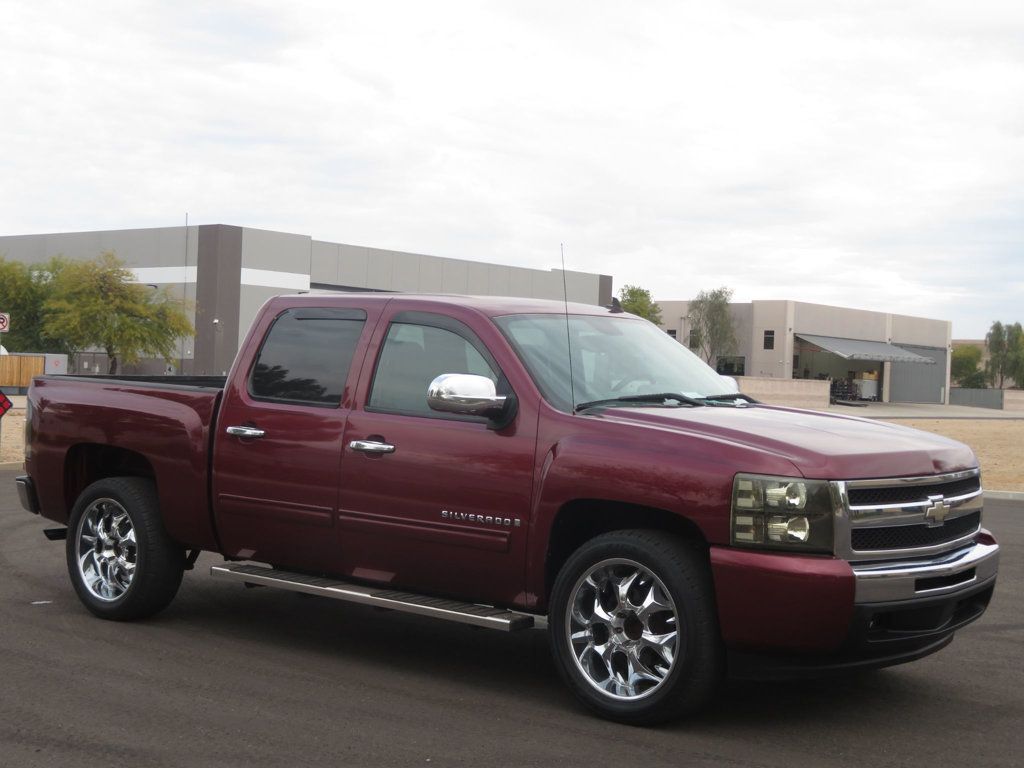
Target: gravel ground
[999, 444]
[12, 435]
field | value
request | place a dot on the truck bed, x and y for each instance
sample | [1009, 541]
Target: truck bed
[160, 426]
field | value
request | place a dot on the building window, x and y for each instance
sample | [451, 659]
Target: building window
[731, 366]
[671, 332]
[769, 339]
[694, 338]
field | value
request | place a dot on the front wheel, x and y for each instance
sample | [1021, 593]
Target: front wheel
[633, 626]
[122, 563]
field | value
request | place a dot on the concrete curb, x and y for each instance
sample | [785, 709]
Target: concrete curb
[1005, 495]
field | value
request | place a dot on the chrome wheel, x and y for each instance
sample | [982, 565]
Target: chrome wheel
[623, 629]
[107, 551]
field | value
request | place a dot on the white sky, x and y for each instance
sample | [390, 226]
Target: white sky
[866, 154]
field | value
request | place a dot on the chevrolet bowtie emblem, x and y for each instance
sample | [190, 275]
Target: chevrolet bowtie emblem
[936, 513]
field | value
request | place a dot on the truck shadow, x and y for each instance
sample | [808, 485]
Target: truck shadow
[514, 669]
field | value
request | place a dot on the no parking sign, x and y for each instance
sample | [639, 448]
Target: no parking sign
[5, 322]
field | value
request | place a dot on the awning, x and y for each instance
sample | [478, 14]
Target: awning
[857, 349]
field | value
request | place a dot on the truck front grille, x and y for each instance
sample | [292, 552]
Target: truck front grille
[906, 517]
[909, 494]
[911, 536]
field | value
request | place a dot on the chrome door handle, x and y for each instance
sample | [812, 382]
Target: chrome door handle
[245, 431]
[371, 446]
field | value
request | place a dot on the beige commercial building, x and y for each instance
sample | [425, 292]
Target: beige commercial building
[866, 355]
[225, 274]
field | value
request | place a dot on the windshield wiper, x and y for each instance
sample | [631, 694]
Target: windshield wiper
[727, 397]
[654, 398]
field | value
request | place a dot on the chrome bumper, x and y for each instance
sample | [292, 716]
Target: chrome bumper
[937, 576]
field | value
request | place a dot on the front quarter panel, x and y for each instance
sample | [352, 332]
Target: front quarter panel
[587, 457]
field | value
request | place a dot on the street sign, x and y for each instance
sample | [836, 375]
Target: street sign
[5, 404]
[5, 322]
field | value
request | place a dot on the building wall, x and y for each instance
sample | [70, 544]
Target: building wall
[789, 318]
[226, 273]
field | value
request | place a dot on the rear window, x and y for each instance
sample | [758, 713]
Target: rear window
[306, 356]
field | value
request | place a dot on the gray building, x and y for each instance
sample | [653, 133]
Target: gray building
[868, 355]
[225, 273]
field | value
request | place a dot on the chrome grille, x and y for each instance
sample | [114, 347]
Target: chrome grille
[907, 494]
[907, 536]
[902, 517]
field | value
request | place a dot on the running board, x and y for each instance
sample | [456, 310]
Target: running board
[407, 602]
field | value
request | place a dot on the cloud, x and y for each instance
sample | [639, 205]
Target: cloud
[866, 154]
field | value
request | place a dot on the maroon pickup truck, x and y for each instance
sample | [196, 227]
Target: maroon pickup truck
[510, 462]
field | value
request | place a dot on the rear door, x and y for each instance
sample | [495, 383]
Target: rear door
[278, 449]
[444, 504]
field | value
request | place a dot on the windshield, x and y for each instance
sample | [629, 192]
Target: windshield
[612, 358]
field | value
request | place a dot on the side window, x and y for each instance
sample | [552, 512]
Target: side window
[306, 356]
[412, 357]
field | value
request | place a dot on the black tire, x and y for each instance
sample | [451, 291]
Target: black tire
[681, 572]
[128, 570]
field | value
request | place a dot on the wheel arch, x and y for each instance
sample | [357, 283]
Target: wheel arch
[85, 463]
[580, 520]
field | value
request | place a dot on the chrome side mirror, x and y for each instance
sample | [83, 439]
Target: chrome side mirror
[465, 393]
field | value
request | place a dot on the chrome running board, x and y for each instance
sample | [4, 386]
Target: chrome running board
[407, 602]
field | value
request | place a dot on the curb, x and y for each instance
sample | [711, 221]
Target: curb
[1005, 495]
[11, 465]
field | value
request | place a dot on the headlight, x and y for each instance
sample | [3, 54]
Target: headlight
[782, 512]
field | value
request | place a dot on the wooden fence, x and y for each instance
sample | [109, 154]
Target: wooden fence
[18, 370]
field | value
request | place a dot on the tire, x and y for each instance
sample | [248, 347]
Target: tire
[122, 563]
[613, 608]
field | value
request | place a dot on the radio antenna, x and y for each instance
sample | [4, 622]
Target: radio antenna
[568, 336]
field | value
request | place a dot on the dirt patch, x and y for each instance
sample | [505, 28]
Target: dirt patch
[998, 444]
[12, 436]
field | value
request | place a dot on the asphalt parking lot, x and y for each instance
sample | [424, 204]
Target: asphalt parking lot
[230, 677]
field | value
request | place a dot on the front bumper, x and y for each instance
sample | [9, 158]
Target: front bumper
[785, 615]
[27, 494]
[945, 574]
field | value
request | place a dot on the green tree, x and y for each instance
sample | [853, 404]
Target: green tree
[638, 300]
[24, 291]
[96, 304]
[964, 367]
[1015, 354]
[1006, 353]
[711, 322]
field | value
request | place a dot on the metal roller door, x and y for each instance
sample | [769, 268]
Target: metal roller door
[910, 383]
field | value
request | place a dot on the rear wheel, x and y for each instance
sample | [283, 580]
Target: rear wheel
[122, 563]
[633, 626]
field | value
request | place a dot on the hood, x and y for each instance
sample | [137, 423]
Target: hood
[820, 445]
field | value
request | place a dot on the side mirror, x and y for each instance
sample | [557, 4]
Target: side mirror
[471, 395]
[466, 394]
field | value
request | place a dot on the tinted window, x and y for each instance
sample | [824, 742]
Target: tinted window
[413, 356]
[306, 356]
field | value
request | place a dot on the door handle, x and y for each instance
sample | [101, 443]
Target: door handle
[371, 446]
[245, 431]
